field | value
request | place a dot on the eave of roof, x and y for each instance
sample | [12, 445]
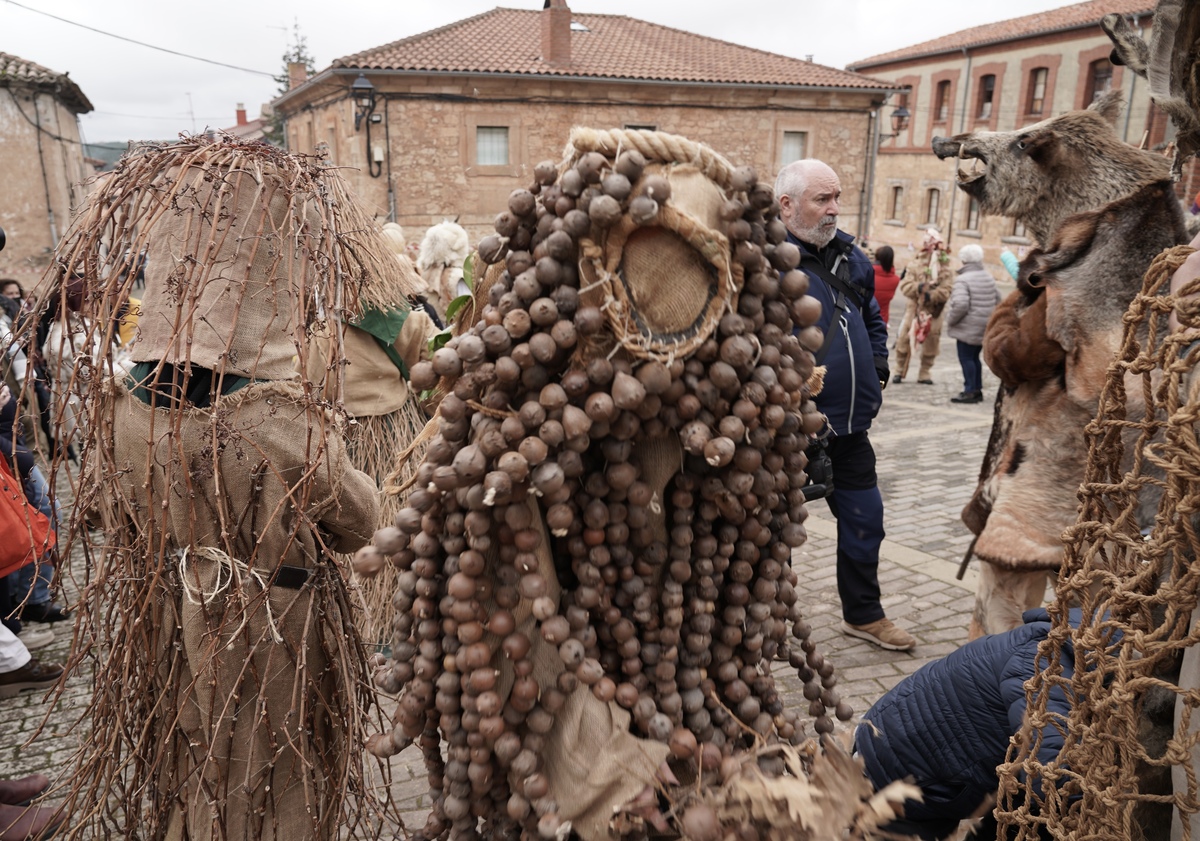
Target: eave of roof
[882, 86]
[913, 53]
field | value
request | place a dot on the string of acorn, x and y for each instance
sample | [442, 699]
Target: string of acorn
[681, 632]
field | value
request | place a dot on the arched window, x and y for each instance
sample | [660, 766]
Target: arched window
[933, 201]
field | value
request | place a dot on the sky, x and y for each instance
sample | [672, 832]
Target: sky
[144, 94]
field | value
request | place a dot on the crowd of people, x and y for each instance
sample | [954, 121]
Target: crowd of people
[937, 298]
[40, 412]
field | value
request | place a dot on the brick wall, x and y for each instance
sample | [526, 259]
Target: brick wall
[916, 170]
[432, 125]
[23, 192]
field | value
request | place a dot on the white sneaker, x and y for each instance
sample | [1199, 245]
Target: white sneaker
[36, 636]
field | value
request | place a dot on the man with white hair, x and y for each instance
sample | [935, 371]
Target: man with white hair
[972, 300]
[855, 356]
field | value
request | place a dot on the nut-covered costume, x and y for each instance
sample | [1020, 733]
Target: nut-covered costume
[594, 558]
[229, 697]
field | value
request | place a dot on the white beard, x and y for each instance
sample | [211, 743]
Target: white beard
[821, 234]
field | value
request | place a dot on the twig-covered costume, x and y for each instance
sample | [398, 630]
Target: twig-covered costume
[384, 416]
[594, 558]
[229, 685]
[926, 287]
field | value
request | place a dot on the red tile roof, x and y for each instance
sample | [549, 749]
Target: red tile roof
[1077, 16]
[20, 71]
[602, 46]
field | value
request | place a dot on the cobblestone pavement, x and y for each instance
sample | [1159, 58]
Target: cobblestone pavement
[929, 451]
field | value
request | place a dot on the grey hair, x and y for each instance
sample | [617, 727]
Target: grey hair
[793, 178]
[970, 254]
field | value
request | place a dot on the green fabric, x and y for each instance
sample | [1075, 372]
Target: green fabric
[199, 388]
[385, 327]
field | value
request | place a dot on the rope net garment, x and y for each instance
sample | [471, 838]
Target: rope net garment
[1120, 669]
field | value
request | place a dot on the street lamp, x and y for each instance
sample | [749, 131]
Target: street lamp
[899, 122]
[363, 93]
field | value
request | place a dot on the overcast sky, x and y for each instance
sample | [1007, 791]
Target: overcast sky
[141, 93]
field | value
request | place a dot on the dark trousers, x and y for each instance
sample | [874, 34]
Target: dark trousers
[972, 368]
[858, 507]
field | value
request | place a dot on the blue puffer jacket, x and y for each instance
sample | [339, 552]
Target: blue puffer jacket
[948, 725]
[852, 395]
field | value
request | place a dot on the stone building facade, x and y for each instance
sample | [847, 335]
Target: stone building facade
[459, 116]
[997, 77]
[42, 167]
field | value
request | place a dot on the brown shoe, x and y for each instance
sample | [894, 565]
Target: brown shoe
[34, 823]
[883, 633]
[20, 792]
[31, 677]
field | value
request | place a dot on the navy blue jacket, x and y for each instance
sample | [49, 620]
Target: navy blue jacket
[948, 725]
[852, 396]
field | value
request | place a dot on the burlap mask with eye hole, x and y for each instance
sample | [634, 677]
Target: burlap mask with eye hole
[664, 285]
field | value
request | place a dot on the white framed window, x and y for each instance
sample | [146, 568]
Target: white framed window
[793, 147]
[491, 145]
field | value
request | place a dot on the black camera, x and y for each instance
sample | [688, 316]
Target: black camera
[819, 470]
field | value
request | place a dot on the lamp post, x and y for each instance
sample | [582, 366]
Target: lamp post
[899, 120]
[363, 94]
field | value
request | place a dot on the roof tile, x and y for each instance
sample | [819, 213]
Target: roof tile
[14, 68]
[1066, 17]
[602, 46]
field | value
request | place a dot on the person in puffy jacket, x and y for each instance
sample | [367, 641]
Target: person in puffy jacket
[974, 297]
[946, 727]
[886, 279]
[855, 357]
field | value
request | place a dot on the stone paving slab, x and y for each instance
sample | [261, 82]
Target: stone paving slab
[929, 451]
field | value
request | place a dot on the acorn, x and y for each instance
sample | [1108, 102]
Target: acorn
[643, 210]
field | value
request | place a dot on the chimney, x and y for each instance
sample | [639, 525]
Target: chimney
[297, 74]
[241, 114]
[556, 32]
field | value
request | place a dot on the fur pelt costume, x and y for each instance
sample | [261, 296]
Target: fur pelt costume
[1050, 343]
[444, 250]
[926, 286]
[230, 687]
